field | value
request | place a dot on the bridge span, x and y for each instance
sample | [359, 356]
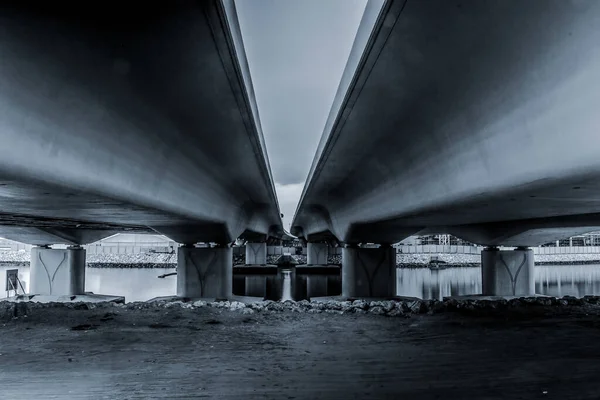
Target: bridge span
[118, 119]
[474, 118]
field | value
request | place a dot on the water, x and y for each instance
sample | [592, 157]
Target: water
[140, 284]
[552, 280]
[287, 285]
[136, 284]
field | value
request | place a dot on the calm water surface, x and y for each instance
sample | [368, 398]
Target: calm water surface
[144, 284]
[552, 280]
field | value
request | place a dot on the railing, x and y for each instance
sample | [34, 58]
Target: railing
[13, 288]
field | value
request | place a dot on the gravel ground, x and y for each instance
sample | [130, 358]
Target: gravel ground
[524, 350]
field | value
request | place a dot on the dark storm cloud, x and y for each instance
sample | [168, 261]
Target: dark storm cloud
[297, 51]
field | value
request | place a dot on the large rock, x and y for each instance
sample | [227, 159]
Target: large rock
[377, 310]
[360, 304]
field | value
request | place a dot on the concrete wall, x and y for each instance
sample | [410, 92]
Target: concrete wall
[438, 248]
[453, 249]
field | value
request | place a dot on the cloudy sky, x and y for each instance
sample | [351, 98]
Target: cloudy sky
[297, 51]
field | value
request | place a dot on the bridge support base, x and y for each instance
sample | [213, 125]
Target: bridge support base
[204, 272]
[57, 271]
[369, 272]
[316, 253]
[507, 272]
[256, 253]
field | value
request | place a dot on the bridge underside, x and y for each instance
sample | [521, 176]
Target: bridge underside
[115, 121]
[468, 117]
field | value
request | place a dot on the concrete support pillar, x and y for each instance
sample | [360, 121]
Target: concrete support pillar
[369, 272]
[507, 272]
[57, 271]
[316, 253]
[256, 253]
[204, 272]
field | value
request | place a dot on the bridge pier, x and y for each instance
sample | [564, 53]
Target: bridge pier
[316, 253]
[369, 272]
[507, 272]
[57, 271]
[204, 272]
[256, 253]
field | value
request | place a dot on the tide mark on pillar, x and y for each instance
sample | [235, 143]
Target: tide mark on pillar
[202, 275]
[513, 279]
[51, 279]
[370, 277]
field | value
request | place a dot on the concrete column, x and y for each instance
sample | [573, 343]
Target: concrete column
[57, 271]
[507, 272]
[204, 272]
[316, 253]
[369, 272]
[256, 253]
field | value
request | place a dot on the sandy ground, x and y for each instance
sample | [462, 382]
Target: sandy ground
[211, 353]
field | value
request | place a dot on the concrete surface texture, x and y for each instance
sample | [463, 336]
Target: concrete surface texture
[57, 271]
[120, 353]
[204, 272]
[129, 121]
[508, 272]
[256, 253]
[316, 253]
[368, 272]
[474, 118]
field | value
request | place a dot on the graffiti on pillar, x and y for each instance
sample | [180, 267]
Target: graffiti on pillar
[513, 279]
[316, 252]
[51, 278]
[371, 277]
[203, 274]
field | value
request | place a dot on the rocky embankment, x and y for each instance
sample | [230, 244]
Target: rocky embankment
[474, 260]
[165, 260]
[389, 308]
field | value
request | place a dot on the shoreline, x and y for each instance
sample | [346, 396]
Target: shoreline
[439, 266]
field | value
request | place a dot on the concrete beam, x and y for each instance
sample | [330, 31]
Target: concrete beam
[497, 153]
[123, 118]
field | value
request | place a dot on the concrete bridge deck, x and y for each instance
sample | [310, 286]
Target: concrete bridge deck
[120, 119]
[475, 118]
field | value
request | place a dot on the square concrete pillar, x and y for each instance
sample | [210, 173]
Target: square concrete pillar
[316, 253]
[204, 272]
[507, 272]
[57, 271]
[369, 272]
[256, 253]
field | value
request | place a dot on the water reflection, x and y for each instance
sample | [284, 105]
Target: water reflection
[287, 285]
[139, 284]
[552, 280]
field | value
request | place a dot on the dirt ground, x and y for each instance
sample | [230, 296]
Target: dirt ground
[209, 353]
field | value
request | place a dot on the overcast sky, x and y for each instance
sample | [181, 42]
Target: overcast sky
[297, 51]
